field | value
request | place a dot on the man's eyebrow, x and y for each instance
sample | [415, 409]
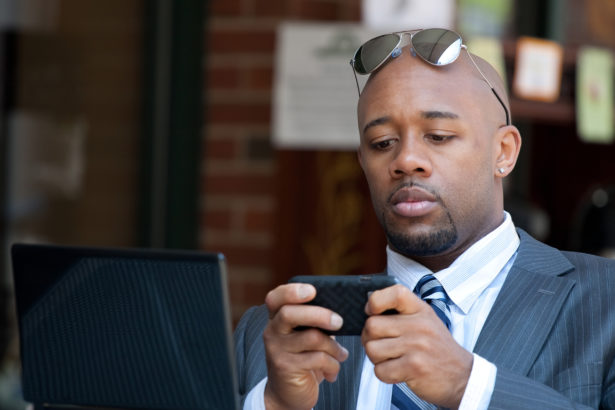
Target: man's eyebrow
[377, 121]
[428, 115]
[432, 115]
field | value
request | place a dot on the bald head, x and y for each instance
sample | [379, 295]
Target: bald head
[492, 75]
[460, 75]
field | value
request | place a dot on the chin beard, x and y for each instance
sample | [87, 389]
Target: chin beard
[427, 244]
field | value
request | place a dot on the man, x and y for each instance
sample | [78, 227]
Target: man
[435, 146]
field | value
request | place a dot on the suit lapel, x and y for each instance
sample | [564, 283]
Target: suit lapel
[527, 307]
[343, 393]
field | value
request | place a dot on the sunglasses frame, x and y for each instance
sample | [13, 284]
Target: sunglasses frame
[396, 51]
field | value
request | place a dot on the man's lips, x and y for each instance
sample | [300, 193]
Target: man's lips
[413, 202]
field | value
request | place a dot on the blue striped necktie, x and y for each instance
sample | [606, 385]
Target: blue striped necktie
[430, 290]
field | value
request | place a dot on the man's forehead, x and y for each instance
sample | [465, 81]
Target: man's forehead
[407, 76]
[404, 79]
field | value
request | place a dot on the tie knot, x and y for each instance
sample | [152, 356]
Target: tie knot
[432, 291]
[430, 288]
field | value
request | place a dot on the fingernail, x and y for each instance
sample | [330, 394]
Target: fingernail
[336, 321]
[304, 291]
[344, 351]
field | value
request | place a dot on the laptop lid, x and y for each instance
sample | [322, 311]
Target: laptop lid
[124, 328]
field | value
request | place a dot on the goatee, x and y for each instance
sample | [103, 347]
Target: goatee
[427, 244]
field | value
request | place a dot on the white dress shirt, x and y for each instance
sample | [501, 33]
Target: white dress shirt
[472, 282]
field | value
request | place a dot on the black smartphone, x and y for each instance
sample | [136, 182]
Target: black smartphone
[346, 295]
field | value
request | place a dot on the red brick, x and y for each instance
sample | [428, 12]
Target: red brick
[270, 8]
[225, 7]
[239, 113]
[219, 219]
[220, 148]
[239, 184]
[248, 291]
[255, 220]
[319, 10]
[352, 12]
[254, 293]
[225, 77]
[260, 78]
[238, 255]
[242, 40]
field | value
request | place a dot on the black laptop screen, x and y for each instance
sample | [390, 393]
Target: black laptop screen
[124, 328]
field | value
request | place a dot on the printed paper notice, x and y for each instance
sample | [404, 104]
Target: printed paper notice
[315, 94]
[399, 15]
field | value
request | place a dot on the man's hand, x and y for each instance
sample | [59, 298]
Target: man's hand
[297, 361]
[415, 347]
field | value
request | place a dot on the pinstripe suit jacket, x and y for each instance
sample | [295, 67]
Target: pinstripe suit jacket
[551, 333]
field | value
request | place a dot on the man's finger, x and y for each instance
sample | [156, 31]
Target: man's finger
[290, 317]
[290, 293]
[397, 297]
[379, 327]
[314, 340]
[322, 363]
[380, 350]
[390, 371]
[310, 350]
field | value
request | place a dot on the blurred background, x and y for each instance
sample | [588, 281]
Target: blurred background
[150, 123]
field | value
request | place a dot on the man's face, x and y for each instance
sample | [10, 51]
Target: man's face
[428, 152]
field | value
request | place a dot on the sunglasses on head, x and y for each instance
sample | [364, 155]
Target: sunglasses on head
[435, 46]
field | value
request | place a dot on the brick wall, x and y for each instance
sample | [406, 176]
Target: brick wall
[239, 174]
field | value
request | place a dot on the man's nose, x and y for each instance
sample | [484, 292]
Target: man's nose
[411, 158]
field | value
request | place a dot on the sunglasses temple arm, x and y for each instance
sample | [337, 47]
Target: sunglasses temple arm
[490, 86]
[355, 76]
[503, 105]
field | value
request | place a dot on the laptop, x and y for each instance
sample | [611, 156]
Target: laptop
[124, 328]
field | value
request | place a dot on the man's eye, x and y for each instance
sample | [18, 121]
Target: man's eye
[382, 145]
[439, 138]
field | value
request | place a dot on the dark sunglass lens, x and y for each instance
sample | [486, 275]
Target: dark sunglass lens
[371, 54]
[437, 46]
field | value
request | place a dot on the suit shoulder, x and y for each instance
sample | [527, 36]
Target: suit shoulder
[590, 263]
[536, 256]
[594, 275]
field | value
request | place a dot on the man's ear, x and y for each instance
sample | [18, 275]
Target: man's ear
[507, 146]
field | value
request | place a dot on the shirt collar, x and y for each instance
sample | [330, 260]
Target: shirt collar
[482, 262]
